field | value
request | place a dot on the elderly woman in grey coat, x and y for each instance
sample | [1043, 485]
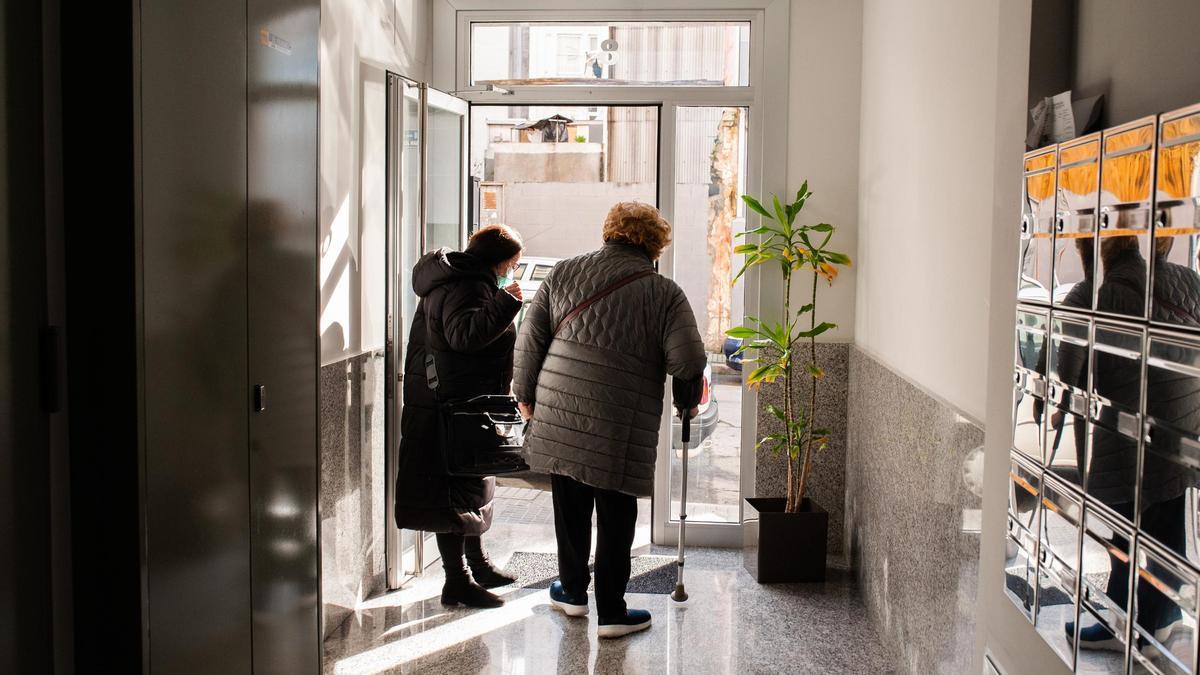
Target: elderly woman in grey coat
[597, 343]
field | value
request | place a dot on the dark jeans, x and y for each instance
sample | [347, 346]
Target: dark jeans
[1166, 521]
[616, 515]
[453, 547]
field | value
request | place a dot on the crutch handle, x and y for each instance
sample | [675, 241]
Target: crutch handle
[685, 417]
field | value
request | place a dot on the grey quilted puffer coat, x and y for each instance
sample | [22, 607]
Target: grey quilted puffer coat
[597, 387]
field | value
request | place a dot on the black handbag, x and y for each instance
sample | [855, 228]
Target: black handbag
[480, 436]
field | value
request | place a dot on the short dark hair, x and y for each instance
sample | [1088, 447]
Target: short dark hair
[494, 244]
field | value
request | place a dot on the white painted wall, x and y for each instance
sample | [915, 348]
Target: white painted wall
[360, 41]
[926, 187]
[823, 137]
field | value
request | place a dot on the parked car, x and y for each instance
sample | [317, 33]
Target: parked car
[733, 358]
[705, 422]
[529, 276]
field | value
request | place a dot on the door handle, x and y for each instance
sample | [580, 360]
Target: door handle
[260, 398]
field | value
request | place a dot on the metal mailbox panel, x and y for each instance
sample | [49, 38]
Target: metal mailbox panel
[1058, 568]
[1067, 397]
[1111, 471]
[1164, 614]
[1103, 593]
[1020, 556]
[1127, 171]
[1037, 226]
[1176, 290]
[1075, 223]
[1029, 390]
[1171, 458]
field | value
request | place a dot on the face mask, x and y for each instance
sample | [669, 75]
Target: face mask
[503, 281]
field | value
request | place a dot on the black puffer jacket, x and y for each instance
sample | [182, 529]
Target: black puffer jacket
[598, 386]
[470, 324]
[1170, 397]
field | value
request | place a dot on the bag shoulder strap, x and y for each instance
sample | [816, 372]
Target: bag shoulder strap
[431, 376]
[601, 295]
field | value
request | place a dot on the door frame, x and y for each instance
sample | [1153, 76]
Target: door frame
[398, 569]
[766, 98]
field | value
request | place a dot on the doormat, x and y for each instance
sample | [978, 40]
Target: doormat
[649, 573]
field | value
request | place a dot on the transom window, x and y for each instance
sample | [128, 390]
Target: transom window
[615, 53]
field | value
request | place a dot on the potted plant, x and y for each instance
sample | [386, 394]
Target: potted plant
[785, 536]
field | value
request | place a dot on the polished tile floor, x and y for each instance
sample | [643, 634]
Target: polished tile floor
[730, 625]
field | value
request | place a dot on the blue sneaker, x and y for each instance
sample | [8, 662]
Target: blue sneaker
[567, 604]
[1095, 637]
[633, 621]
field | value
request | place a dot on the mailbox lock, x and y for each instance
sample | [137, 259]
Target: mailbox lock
[1104, 220]
[1025, 225]
[1061, 224]
[1160, 218]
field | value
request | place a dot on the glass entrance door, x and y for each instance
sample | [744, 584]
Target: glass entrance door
[707, 163]
[425, 210]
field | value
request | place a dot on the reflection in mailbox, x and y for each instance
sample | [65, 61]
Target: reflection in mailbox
[1103, 594]
[1067, 397]
[1075, 222]
[1024, 490]
[1125, 201]
[1176, 297]
[1029, 392]
[1058, 568]
[1037, 226]
[1111, 466]
[1164, 614]
[1171, 460]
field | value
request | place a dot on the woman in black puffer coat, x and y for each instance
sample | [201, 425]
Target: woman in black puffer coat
[465, 319]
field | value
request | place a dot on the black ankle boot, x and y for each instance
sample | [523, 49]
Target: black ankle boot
[462, 590]
[488, 576]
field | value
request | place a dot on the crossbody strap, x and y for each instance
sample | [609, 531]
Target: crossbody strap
[599, 296]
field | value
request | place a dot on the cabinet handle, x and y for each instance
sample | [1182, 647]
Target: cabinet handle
[260, 398]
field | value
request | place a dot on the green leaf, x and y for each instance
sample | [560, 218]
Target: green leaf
[741, 332]
[837, 258]
[745, 248]
[822, 227]
[815, 371]
[781, 214]
[756, 207]
[805, 309]
[817, 330]
[771, 408]
[802, 193]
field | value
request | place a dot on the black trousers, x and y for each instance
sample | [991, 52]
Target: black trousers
[616, 516]
[454, 547]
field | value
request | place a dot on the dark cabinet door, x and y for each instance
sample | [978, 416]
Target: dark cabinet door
[192, 181]
[283, 349]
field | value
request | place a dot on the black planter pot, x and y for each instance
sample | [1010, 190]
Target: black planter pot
[784, 547]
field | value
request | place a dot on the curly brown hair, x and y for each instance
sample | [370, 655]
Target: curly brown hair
[638, 224]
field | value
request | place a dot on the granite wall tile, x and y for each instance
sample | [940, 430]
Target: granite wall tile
[352, 406]
[913, 485]
[827, 486]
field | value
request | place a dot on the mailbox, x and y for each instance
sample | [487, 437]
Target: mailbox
[1075, 222]
[1104, 591]
[1164, 613]
[1114, 417]
[1029, 381]
[1024, 509]
[1171, 457]
[1038, 219]
[1126, 194]
[1065, 423]
[1058, 568]
[1175, 300]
